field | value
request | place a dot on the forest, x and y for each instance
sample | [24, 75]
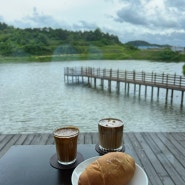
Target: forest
[42, 44]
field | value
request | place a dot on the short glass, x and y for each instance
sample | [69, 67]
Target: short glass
[66, 144]
[110, 134]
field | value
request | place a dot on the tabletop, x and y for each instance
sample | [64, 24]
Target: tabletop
[30, 165]
[160, 154]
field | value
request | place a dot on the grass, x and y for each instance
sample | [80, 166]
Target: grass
[108, 52]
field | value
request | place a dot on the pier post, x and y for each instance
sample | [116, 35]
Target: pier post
[162, 78]
[134, 89]
[102, 83]
[166, 95]
[134, 75]
[102, 80]
[158, 92]
[109, 85]
[94, 82]
[125, 80]
[174, 79]
[128, 87]
[109, 81]
[139, 89]
[182, 98]
[118, 82]
[125, 86]
[171, 96]
[180, 81]
[152, 93]
[145, 90]
[118, 86]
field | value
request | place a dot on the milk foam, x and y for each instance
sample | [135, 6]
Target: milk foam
[66, 132]
[111, 123]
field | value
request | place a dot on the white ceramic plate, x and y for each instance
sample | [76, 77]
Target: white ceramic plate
[140, 177]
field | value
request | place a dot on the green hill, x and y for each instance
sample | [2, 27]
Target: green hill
[46, 44]
[138, 43]
[48, 41]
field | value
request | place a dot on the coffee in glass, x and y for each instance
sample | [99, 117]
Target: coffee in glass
[110, 134]
[66, 144]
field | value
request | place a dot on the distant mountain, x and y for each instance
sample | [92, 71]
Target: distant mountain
[140, 43]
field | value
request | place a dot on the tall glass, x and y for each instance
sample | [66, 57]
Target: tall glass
[110, 134]
[66, 144]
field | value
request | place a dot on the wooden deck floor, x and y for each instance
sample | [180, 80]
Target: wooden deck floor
[161, 155]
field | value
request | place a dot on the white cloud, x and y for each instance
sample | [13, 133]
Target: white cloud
[37, 19]
[156, 21]
[153, 15]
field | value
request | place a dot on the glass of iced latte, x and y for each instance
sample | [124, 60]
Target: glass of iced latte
[66, 144]
[110, 134]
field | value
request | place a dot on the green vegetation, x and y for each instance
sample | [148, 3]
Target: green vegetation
[47, 44]
[138, 43]
[183, 69]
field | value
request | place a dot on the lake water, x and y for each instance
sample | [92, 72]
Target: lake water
[35, 99]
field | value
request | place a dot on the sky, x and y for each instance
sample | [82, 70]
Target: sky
[154, 21]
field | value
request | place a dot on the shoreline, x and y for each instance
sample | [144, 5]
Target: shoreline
[61, 58]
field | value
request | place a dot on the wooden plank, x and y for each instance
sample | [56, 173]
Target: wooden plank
[81, 138]
[129, 147]
[2, 138]
[21, 139]
[50, 140]
[180, 137]
[167, 159]
[5, 139]
[144, 156]
[88, 138]
[28, 139]
[39, 139]
[174, 156]
[9, 140]
[95, 138]
[158, 158]
[175, 147]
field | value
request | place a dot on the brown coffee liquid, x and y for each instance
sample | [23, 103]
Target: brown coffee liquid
[110, 133]
[66, 143]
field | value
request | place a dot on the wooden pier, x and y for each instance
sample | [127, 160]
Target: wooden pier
[154, 80]
[160, 154]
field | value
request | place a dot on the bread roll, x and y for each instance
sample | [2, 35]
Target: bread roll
[115, 168]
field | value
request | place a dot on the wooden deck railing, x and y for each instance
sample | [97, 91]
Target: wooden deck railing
[163, 80]
[166, 81]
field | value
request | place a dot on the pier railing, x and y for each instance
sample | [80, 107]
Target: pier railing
[166, 81]
[163, 80]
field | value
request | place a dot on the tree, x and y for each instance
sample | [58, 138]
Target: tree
[183, 68]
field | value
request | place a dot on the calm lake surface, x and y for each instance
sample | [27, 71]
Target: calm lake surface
[35, 99]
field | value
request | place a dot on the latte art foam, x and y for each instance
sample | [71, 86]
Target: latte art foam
[111, 122]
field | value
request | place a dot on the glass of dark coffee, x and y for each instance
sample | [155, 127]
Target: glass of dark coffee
[66, 144]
